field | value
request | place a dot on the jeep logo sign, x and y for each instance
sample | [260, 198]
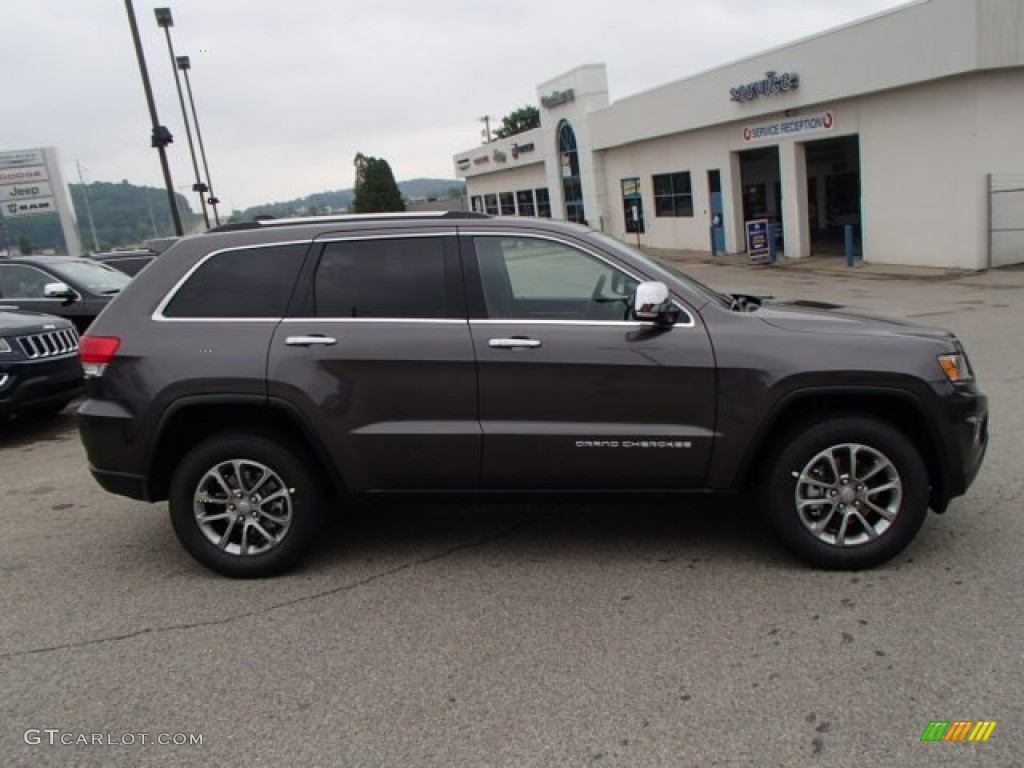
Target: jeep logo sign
[25, 191]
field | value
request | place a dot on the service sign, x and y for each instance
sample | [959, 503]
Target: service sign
[791, 126]
[21, 158]
[28, 191]
[24, 175]
[13, 209]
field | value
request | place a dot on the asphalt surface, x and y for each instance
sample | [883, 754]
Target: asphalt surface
[525, 635]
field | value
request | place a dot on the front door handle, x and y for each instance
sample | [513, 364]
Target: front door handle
[309, 341]
[513, 343]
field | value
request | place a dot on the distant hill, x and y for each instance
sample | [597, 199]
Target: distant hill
[123, 214]
[341, 199]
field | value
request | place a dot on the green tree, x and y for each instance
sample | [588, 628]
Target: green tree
[517, 121]
[376, 190]
[25, 246]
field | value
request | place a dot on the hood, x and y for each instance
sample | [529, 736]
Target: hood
[20, 321]
[820, 317]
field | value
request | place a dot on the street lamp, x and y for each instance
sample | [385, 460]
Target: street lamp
[166, 21]
[185, 65]
[161, 136]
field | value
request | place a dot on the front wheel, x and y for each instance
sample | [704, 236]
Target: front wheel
[847, 493]
[245, 506]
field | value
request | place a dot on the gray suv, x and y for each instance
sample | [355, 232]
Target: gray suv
[252, 374]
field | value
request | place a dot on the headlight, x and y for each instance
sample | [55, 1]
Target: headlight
[4, 346]
[956, 367]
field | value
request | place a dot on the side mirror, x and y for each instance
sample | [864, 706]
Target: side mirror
[58, 291]
[651, 302]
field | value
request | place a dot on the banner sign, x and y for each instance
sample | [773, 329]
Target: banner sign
[791, 126]
[757, 242]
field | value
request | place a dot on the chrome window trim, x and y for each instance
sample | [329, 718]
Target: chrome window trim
[420, 320]
[158, 314]
[620, 323]
[690, 322]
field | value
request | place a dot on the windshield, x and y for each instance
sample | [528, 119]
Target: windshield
[95, 278]
[632, 253]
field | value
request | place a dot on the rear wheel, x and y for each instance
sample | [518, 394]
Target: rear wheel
[847, 493]
[245, 506]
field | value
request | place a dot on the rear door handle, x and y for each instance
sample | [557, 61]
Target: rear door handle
[513, 343]
[309, 341]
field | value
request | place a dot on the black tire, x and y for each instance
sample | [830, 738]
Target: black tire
[795, 461]
[293, 494]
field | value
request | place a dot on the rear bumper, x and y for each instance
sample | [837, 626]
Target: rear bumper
[106, 429]
[121, 483]
[28, 385]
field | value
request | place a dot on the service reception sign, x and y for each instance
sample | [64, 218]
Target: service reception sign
[791, 126]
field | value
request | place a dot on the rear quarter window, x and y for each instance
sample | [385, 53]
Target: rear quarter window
[247, 282]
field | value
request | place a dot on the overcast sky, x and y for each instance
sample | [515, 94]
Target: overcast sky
[289, 92]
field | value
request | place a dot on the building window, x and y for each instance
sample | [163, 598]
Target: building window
[672, 194]
[477, 203]
[491, 204]
[543, 203]
[572, 186]
[633, 206]
[508, 204]
[524, 199]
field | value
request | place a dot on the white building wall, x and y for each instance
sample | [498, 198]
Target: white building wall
[589, 85]
[925, 156]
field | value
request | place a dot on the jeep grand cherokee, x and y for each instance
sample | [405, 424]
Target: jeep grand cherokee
[249, 373]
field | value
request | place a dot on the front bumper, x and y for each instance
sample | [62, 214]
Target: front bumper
[965, 441]
[25, 385]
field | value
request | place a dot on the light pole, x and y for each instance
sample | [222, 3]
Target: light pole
[185, 65]
[88, 208]
[166, 21]
[161, 136]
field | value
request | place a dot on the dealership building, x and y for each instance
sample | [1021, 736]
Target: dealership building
[902, 133]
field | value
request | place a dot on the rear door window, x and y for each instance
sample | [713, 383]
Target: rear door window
[384, 278]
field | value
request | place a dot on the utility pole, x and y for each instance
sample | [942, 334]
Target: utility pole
[486, 132]
[88, 208]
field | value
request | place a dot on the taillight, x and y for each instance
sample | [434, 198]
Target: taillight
[96, 352]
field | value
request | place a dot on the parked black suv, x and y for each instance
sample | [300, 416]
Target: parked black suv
[66, 286]
[129, 262]
[40, 372]
[249, 372]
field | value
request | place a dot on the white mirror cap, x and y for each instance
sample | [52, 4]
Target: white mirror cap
[56, 289]
[650, 298]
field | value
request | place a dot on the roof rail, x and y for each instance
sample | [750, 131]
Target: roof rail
[262, 222]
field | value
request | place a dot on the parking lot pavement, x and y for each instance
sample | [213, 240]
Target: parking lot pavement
[524, 635]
